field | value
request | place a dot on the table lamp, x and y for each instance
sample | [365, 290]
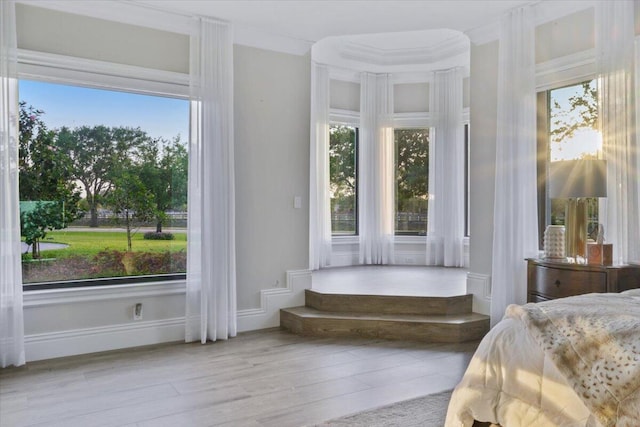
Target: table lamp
[577, 180]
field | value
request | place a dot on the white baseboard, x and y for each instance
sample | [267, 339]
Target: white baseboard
[480, 286]
[49, 345]
[272, 300]
[90, 340]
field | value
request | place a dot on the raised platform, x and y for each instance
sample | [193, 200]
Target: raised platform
[427, 304]
[406, 280]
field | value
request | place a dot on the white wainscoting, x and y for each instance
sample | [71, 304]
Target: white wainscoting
[480, 286]
[112, 337]
[272, 300]
[72, 321]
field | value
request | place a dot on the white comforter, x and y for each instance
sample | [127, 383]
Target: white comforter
[512, 381]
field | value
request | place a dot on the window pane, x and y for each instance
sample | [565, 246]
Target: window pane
[103, 183]
[573, 135]
[343, 179]
[412, 173]
[467, 181]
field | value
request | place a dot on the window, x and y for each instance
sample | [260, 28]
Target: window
[343, 179]
[467, 181]
[573, 135]
[103, 185]
[412, 173]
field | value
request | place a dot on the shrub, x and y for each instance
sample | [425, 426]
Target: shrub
[152, 235]
[109, 263]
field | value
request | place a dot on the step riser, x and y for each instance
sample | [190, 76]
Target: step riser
[388, 304]
[385, 329]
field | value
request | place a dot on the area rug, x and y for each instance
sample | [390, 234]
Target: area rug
[424, 411]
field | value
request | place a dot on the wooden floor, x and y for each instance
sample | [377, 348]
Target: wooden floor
[262, 378]
[392, 280]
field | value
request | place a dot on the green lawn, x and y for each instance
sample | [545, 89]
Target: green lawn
[90, 243]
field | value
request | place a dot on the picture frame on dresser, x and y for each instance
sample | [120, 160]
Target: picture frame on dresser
[547, 279]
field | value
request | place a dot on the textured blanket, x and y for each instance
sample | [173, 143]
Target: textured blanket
[594, 341]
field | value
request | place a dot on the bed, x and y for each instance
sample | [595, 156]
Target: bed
[568, 362]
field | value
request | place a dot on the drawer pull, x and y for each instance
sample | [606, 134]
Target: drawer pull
[557, 283]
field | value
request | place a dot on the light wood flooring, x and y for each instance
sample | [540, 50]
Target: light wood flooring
[261, 378]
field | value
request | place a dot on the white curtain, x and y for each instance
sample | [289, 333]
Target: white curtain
[211, 258]
[515, 226]
[445, 231]
[319, 200]
[614, 56]
[11, 315]
[376, 170]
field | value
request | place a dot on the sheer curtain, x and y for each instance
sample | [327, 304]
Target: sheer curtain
[376, 170]
[515, 226]
[211, 263]
[11, 315]
[319, 200]
[446, 172]
[614, 56]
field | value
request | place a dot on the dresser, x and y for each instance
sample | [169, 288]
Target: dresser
[549, 280]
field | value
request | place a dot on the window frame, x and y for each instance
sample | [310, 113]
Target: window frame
[339, 117]
[467, 179]
[88, 73]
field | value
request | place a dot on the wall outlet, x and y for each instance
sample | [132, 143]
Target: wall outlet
[137, 311]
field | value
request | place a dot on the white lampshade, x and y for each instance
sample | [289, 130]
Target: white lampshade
[577, 178]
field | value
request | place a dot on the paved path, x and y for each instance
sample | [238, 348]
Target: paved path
[44, 246]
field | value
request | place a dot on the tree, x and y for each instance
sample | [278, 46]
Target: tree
[35, 223]
[164, 170]
[412, 168]
[95, 154]
[44, 177]
[582, 112]
[342, 168]
[131, 202]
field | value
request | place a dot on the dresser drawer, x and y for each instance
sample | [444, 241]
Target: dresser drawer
[559, 283]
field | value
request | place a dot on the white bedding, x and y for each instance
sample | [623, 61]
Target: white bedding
[511, 381]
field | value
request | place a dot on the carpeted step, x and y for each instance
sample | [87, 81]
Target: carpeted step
[452, 328]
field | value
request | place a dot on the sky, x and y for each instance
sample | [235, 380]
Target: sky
[584, 141]
[75, 106]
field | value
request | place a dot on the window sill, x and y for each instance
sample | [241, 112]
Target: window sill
[100, 293]
[345, 240]
[408, 240]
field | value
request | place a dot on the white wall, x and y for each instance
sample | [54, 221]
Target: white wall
[272, 116]
[46, 30]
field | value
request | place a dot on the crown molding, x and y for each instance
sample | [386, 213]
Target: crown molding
[404, 56]
[247, 36]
